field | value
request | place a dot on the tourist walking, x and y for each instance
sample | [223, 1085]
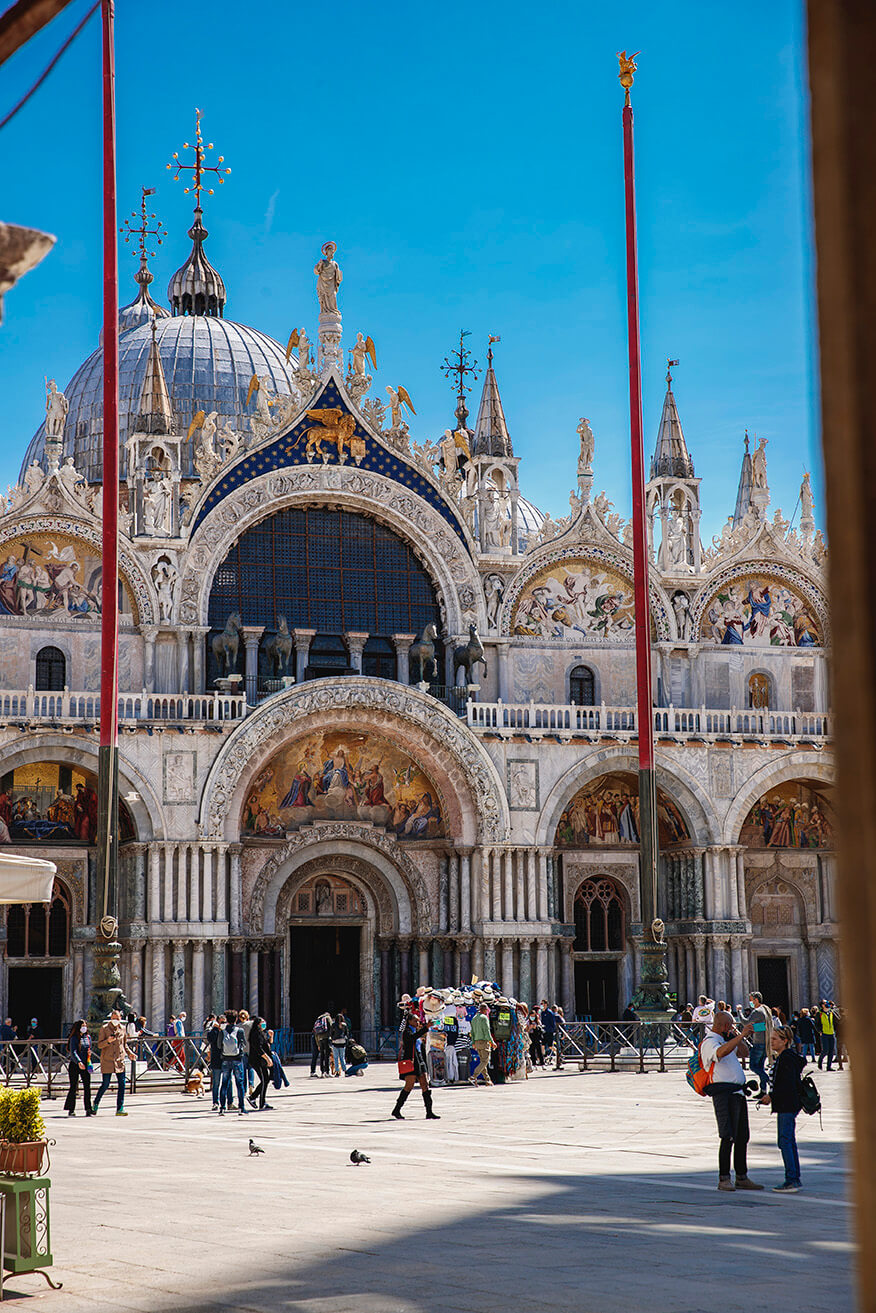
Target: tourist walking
[761, 1019]
[786, 1100]
[113, 1046]
[214, 1047]
[278, 1075]
[79, 1046]
[483, 1044]
[260, 1063]
[719, 1050]
[339, 1032]
[411, 1062]
[536, 1039]
[321, 1029]
[806, 1034]
[233, 1046]
[827, 1026]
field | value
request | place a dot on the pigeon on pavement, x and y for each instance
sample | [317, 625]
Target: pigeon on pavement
[255, 1148]
[356, 1157]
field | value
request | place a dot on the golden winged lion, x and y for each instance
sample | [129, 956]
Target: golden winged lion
[337, 429]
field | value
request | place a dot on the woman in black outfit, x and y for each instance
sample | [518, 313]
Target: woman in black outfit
[79, 1046]
[411, 1063]
[261, 1062]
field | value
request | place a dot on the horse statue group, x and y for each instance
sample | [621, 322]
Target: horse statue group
[465, 657]
[226, 647]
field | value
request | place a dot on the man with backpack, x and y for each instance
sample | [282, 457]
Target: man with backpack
[232, 1048]
[322, 1038]
[719, 1056]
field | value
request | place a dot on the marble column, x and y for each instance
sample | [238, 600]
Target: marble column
[506, 979]
[195, 885]
[493, 859]
[386, 1001]
[252, 635]
[207, 883]
[235, 911]
[502, 661]
[167, 851]
[182, 881]
[530, 857]
[404, 949]
[465, 886]
[812, 955]
[199, 1008]
[302, 639]
[702, 986]
[541, 970]
[402, 643]
[541, 881]
[236, 992]
[253, 972]
[178, 976]
[199, 648]
[568, 983]
[355, 644]
[158, 1013]
[524, 984]
[182, 660]
[78, 999]
[453, 888]
[422, 962]
[741, 897]
[464, 945]
[221, 869]
[149, 633]
[217, 980]
[508, 885]
[736, 984]
[447, 976]
[135, 949]
[153, 909]
[489, 959]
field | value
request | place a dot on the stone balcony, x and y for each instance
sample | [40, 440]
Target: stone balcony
[538, 720]
[67, 708]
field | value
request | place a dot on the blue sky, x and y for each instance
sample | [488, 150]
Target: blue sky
[467, 160]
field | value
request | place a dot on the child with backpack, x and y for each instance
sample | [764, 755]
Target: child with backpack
[786, 1100]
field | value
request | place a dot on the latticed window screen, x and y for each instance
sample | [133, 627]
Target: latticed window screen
[328, 570]
[599, 918]
[39, 929]
[51, 670]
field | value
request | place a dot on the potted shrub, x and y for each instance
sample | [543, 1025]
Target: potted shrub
[22, 1132]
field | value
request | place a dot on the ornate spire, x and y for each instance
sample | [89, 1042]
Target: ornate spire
[743, 494]
[460, 363]
[142, 308]
[671, 457]
[155, 412]
[197, 288]
[491, 431]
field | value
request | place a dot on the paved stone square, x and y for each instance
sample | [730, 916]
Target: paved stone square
[592, 1192]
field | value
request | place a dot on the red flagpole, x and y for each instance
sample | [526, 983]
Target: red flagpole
[109, 626]
[653, 975]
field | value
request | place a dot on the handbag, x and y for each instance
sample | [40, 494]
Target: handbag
[405, 1066]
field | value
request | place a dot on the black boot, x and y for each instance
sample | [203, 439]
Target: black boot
[399, 1104]
[430, 1115]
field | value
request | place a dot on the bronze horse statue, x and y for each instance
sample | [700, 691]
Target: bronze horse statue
[423, 653]
[226, 645]
[469, 655]
[279, 650]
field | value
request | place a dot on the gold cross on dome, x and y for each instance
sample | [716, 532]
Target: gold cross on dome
[144, 231]
[199, 168]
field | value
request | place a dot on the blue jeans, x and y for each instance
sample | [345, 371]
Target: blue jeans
[807, 1051]
[828, 1050]
[231, 1067]
[786, 1135]
[340, 1057]
[216, 1082]
[105, 1079]
[757, 1063]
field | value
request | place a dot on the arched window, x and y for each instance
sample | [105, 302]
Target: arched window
[582, 686]
[599, 918]
[51, 670]
[39, 929]
[759, 691]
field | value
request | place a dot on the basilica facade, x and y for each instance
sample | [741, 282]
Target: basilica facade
[377, 711]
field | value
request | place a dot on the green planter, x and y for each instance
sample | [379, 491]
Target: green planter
[28, 1239]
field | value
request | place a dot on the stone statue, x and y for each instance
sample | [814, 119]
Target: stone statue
[574, 503]
[230, 442]
[602, 505]
[494, 536]
[759, 465]
[398, 397]
[34, 477]
[427, 454]
[206, 459]
[494, 591]
[807, 504]
[448, 448]
[165, 576]
[548, 529]
[588, 447]
[362, 347]
[676, 543]
[780, 524]
[70, 476]
[303, 350]
[157, 506]
[681, 607]
[328, 279]
[57, 406]
[279, 649]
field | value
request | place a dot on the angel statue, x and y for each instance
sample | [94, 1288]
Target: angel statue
[298, 338]
[362, 347]
[397, 399]
[262, 420]
[328, 279]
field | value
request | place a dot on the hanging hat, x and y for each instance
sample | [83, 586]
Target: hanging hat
[421, 990]
[406, 998]
[502, 999]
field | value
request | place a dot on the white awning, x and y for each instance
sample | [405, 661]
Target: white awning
[26, 879]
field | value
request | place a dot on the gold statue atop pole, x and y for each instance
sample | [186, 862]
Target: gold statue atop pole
[628, 67]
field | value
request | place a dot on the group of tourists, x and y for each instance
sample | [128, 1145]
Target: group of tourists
[333, 1048]
[777, 1053]
[243, 1061]
[817, 1030]
[113, 1052]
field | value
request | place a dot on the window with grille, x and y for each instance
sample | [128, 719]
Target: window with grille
[39, 929]
[51, 670]
[599, 918]
[582, 687]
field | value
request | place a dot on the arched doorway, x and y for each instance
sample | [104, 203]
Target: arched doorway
[600, 941]
[326, 921]
[37, 951]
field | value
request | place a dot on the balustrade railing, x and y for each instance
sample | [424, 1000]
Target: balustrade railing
[682, 724]
[30, 705]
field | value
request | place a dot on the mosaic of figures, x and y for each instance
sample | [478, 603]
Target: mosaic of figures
[50, 802]
[343, 776]
[793, 815]
[573, 598]
[52, 576]
[606, 812]
[758, 611]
